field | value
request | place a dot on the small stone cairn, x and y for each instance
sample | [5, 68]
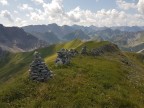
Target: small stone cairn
[38, 70]
[64, 56]
[84, 51]
[73, 52]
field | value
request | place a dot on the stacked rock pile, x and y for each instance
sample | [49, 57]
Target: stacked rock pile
[73, 52]
[84, 50]
[65, 55]
[38, 69]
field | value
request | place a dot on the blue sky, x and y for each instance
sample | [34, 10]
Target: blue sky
[69, 12]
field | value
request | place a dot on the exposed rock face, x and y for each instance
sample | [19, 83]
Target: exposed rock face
[15, 39]
[64, 56]
[38, 69]
[103, 49]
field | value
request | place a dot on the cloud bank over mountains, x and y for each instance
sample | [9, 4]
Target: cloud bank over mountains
[42, 12]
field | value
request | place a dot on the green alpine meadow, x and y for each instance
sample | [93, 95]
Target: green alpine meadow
[111, 80]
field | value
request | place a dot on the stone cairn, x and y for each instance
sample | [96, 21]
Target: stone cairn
[64, 56]
[38, 69]
[84, 51]
[73, 52]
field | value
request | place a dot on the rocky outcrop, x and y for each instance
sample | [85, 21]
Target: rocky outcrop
[15, 39]
[104, 49]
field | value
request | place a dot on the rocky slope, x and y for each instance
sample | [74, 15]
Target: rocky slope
[15, 39]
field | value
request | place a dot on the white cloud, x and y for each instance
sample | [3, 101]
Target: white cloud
[20, 22]
[100, 18]
[53, 12]
[6, 14]
[140, 6]
[55, 7]
[4, 2]
[103, 17]
[25, 7]
[36, 16]
[125, 5]
[16, 12]
[38, 1]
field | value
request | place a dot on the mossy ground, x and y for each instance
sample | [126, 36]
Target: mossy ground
[88, 82]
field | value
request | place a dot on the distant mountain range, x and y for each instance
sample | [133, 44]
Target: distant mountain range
[129, 29]
[53, 33]
[66, 32]
[33, 36]
[61, 31]
[78, 34]
[49, 37]
[15, 39]
[127, 41]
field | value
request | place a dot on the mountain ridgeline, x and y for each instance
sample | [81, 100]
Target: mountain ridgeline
[112, 79]
[31, 37]
[78, 34]
[125, 37]
[49, 37]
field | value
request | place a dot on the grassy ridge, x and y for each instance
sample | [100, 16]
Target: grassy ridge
[101, 82]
